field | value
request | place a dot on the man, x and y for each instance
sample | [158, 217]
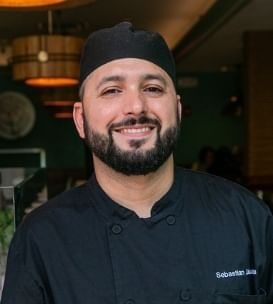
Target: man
[140, 231]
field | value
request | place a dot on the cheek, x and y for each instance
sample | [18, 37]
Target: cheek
[99, 117]
[166, 112]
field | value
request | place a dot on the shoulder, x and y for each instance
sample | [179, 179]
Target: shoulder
[73, 200]
[213, 191]
[225, 209]
[65, 210]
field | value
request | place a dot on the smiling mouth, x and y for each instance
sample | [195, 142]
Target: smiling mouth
[136, 130]
[139, 130]
[136, 135]
[137, 127]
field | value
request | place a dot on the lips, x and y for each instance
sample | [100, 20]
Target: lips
[134, 130]
[142, 126]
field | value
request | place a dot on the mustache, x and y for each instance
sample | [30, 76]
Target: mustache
[131, 121]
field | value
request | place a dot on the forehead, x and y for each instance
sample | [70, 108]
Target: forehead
[127, 67]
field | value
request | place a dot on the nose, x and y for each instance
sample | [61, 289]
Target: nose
[134, 103]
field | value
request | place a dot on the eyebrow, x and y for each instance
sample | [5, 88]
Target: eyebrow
[109, 79]
[122, 78]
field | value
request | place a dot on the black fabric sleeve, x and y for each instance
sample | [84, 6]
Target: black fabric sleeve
[20, 286]
[269, 277]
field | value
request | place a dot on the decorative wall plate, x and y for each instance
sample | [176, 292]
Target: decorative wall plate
[17, 115]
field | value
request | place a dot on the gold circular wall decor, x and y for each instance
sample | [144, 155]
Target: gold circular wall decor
[17, 115]
[47, 60]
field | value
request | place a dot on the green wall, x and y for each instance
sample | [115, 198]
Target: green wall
[206, 125]
[57, 137]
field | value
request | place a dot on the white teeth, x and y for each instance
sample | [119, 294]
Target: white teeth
[133, 131]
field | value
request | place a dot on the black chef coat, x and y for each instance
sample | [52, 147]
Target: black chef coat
[207, 241]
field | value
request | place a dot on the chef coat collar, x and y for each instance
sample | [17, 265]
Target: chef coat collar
[169, 204]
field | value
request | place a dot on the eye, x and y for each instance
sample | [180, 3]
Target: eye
[110, 91]
[153, 89]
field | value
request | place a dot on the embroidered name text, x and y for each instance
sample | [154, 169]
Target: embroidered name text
[235, 273]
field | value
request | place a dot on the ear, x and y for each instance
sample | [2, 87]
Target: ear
[78, 118]
[179, 106]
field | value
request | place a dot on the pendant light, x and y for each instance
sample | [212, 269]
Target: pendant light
[60, 101]
[47, 60]
[28, 3]
[41, 4]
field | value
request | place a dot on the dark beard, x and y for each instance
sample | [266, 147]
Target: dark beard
[136, 161]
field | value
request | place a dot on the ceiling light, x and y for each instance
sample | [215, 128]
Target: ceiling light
[63, 115]
[42, 4]
[60, 101]
[51, 82]
[28, 3]
[60, 108]
[47, 60]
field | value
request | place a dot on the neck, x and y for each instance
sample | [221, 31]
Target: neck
[136, 192]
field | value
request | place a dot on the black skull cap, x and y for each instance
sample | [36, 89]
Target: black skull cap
[124, 41]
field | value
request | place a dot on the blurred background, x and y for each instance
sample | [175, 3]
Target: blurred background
[223, 51]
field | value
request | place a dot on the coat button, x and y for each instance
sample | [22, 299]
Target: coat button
[185, 295]
[116, 229]
[171, 219]
[130, 301]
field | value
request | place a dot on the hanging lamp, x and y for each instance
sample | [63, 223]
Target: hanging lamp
[42, 4]
[47, 60]
[28, 3]
[60, 101]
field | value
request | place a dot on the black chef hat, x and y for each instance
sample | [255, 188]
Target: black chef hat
[123, 41]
